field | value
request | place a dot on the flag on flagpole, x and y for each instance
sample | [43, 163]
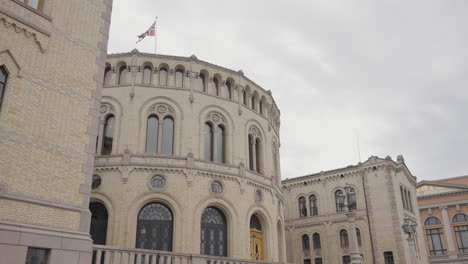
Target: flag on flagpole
[150, 32]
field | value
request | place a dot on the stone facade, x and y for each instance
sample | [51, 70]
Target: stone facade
[139, 86]
[54, 56]
[443, 206]
[379, 213]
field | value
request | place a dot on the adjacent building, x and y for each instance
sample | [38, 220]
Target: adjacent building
[443, 206]
[52, 56]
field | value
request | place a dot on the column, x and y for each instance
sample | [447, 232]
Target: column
[356, 257]
[448, 231]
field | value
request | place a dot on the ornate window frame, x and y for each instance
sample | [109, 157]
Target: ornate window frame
[252, 146]
[107, 109]
[216, 119]
[161, 111]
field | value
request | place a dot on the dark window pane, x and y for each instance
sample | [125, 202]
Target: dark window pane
[244, 97]
[37, 256]
[258, 152]
[163, 76]
[318, 261]
[152, 131]
[154, 227]
[388, 256]
[316, 239]
[216, 83]
[302, 207]
[168, 136]
[346, 259]
[307, 261]
[123, 75]
[179, 78]
[208, 142]
[147, 72]
[432, 221]
[344, 239]
[98, 228]
[305, 242]
[251, 146]
[220, 144]
[213, 235]
[108, 136]
[255, 223]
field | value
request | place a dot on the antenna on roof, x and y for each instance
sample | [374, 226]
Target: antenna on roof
[357, 143]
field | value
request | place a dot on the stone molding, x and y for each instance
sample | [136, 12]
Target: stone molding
[34, 200]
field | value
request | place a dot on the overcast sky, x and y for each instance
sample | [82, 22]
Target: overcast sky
[395, 73]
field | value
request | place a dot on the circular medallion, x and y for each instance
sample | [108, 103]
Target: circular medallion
[216, 188]
[158, 182]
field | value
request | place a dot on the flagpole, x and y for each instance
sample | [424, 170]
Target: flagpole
[155, 35]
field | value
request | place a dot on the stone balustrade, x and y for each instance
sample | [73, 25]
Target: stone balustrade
[115, 255]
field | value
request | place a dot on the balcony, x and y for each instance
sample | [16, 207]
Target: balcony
[115, 255]
[449, 258]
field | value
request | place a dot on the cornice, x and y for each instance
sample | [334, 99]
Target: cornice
[444, 194]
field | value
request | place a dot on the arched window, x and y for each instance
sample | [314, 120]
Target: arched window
[352, 204]
[256, 239]
[258, 152]
[358, 236]
[123, 74]
[229, 89]
[313, 204]
[220, 138]
[410, 202]
[213, 233]
[459, 218]
[147, 74]
[108, 135]
[255, 150]
[305, 242]
[339, 199]
[209, 141]
[261, 106]
[244, 97]
[98, 228]
[202, 82]
[168, 136]
[216, 83]
[3, 80]
[152, 131]
[107, 75]
[403, 198]
[430, 221]
[154, 227]
[255, 223]
[253, 102]
[163, 76]
[344, 241]
[316, 240]
[179, 78]
[251, 151]
[302, 207]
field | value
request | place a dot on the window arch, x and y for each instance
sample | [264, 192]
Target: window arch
[302, 207]
[154, 227]
[229, 86]
[305, 242]
[313, 204]
[458, 218]
[3, 82]
[213, 232]
[123, 74]
[108, 135]
[215, 137]
[163, 76]
[352, 203]
[255, 150]
[202, 81]
[160, 130]
[344, 241]
[316, 240]
[99, 219]
[179, 78]
[432, 220]
[261, 106]
[147, 75]
[254, 100]
[216, 84]
[244, 97]
[340, 207]
[107, 75]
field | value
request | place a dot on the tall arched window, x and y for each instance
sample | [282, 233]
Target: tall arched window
[98, 228]
[123, 74]
[339, 201]
[179, 78]
[258, 153]
[108, 135]
[163, 76]
[202, 82]
[251, 152]
[403, 198]
[358, 236]
[302, 207]
[313, 204]
[147, 74]
[305, 242]
[216, 84]
[168, 136]
[107, 75]
[209, 138]
[152, 131]
[316, 240]
[352, 204]
[255, 150]
[220, 144]
[253, 102]
[460, 222]
[344, 241]
[229, 89]
[261, 106]
[213, 233]
[154, 227]
[434, 236]
[244, 97]
[3, 80]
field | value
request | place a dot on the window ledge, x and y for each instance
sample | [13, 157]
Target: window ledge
[36, 11]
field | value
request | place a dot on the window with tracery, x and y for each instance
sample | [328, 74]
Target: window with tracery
[213, 233]
[255, 150]
[160, 130]
[316, 240]
[215, 137]
[305, 242]
[154, 227]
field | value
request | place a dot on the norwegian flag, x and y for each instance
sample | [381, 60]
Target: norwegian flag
[150, 32]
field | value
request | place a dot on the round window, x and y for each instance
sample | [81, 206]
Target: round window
[216, 187]
[96, 182]
[258, 196]
[158, 182]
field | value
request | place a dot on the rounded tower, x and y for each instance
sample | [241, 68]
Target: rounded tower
[187, 160]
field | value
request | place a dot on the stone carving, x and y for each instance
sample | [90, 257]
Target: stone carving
[216, 118]
[40, 39]
[161, 109]
[106, 108]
